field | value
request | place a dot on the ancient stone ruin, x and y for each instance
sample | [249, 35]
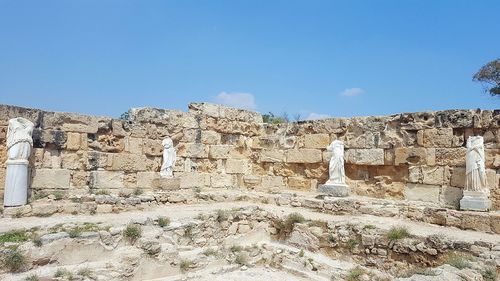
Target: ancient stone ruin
[215, 193]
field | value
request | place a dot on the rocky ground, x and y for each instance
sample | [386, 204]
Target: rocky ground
[245, 239]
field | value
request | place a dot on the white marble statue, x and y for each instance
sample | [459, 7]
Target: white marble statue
[169, 155]
[336, 167]
[19, 144]
[476, 190]
[475, 179]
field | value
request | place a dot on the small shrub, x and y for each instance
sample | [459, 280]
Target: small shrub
[85, 272]
[138, 191]
[14, 236]
[58, 195]
[37, 241]
[352, 243]
[210, 252]
[397, 232]
[75, 232]
[38, 196]
[236, 248]
[458, 261]
[18, 214]
[32, 277]
[124, 194]
[188, 231]
[489, 274]
[285, 227]
[355, 274]
[14, 261]
[163, 221]
[132, 232]
[369, 226]
[418, 270]
[241, 259]
[332, 239]
[185, 265]
[61, 272]
[222, 215]
[265, 200]
[301, 253]
[102, 192]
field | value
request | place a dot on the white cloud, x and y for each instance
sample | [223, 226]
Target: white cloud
[317, 116]
[351, 92]
[238, 100]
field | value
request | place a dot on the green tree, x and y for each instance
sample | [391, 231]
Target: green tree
[489, 75]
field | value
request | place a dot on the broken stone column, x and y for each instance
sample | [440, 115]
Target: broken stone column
[476, 191]
[336, 186]
[19, 144]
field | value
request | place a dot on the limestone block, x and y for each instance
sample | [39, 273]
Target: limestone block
[43, 210]
[192, 150]
[152, 147]
[373, 156]
[414, 156]
[288, 142]
[491, 179]
[106, 179]
[252, 180]
[440, 137]
[145, 179]
[73, 161]
[222, 180]
[327, 156]
[133, 145]
[210, 137]
[79, 178]
[73, 141]
[194, 179]
[128, 162]
[450, 196]
[458, 177]
[426, 175]
[220, 151]
[306, 155]
[42, 138]
[492, 158]
[104, 208]
[71, 122]
[237, 166]
[166, 183]
[451, 156]
[365, 140]
[320, 141]
[51, 179]
[422, 192]
[299, 183]
[271, 155]
[272, 181]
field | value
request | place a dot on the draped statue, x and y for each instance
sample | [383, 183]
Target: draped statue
[336, 167]
[169, 155]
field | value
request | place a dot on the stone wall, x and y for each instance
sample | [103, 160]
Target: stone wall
[415, 156]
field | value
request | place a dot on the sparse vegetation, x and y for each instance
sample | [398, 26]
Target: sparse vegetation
[85, 272]
[236, 248]
[14, 236]
[163, 221]
[241, 259]
[369, 226]
[61, 272]
[355, 274]
[132, 232]
[138, 191]
[397, 232]
[32, 277]
[185, 265]
[102, 192]
[273, 119]
[489, 274]
[14, 261]
[285, 227]
[301, 253]
[18, 214]
[188, 230]
[352, 243]
[37, 241]
[58, 195]
[417, 270]
[458, 261]
[332, 239]
[210, 252]
[222, 215]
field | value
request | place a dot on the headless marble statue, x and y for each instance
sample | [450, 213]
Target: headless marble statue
[19, 144]
[476, 190]
[336, 186]
[169, 155]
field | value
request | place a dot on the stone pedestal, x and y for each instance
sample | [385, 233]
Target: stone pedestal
[16, 183]
[335, 190]
[475, 201]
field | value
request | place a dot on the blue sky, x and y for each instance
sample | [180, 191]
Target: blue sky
[313, 58]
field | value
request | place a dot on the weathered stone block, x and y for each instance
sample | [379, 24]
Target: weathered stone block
[272, 181]
[299, 183]
[414, 156]
[372, 156]
[439, 137]
[152, 147]
[166, 183]
[51, 179]
[194, 179]
[222, 180]
[252, 180]
[192, 150]
[106, 180]
[422, 192]
[458, 177]
[272, 156]
[43, 210]
[210, 137]
[426, 175]
[73, 141]
[128, 162]
[316, 140]
[305, 155]
[221, 151]
[237, 166]
[145, 179]
[450, 196]
[134, 145]
[451, 156]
